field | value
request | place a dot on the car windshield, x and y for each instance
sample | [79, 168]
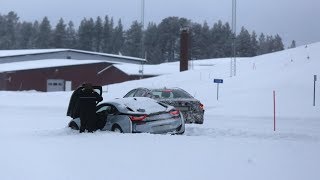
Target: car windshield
[170, 93]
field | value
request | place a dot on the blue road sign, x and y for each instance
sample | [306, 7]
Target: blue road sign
[218, 81]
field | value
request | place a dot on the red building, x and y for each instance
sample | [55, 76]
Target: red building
[60, 70]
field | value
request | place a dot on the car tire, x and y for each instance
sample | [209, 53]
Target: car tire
[180, 133]
[117, 128]
[73, 125]
[199, 122]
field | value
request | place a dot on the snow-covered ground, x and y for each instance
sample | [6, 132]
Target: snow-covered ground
[236, 141]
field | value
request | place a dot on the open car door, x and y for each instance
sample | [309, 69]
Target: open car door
[73, 108]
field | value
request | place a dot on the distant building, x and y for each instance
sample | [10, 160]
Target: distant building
[9, 56]
[60, 69]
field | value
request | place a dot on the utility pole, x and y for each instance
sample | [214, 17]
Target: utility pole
[142, 13]
[233, 62]
[143, 54]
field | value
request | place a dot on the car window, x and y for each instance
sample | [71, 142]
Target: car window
[177, 93]
[102, 108]
[130, 93]
[110, 109]
[170, 93]
[140, 93]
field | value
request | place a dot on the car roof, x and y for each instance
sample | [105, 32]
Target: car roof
[161, 88]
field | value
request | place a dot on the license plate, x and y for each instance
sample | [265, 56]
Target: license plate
[161, 128]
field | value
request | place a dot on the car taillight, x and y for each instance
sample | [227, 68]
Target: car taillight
[138, 118]
[202, 106]
[175, 113]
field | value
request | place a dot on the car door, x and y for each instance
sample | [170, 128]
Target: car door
[73, 108]
[110, 115]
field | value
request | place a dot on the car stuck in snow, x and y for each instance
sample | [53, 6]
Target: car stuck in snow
[132, 115]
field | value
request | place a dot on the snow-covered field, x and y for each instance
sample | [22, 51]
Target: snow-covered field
[236, 141]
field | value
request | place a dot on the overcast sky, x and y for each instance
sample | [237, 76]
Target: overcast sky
[291, 19]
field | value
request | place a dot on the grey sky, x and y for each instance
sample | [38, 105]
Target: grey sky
[291, 19]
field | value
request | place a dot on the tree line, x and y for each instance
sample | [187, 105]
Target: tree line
[156, 42]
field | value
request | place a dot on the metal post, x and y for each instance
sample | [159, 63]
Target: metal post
[218, 91]
[314, 89]
[274, 111]
[233, 63]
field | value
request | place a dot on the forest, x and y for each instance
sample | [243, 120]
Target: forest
[157, 43]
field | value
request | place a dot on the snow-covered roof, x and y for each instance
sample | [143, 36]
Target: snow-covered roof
[167, 68]
[36, 64]
[21, 52]
[154, 70]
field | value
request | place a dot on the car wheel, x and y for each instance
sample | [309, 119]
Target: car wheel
[73, 125]
[117, 128]
[178, 130]
[180, 133]
[199, 122]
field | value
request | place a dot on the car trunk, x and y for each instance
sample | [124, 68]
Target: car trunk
[183, 105]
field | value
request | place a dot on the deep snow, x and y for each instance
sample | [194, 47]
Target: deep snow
[236, 141]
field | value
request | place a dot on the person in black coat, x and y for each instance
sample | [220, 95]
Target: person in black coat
[87, 107]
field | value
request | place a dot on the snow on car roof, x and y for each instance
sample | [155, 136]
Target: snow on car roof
[142, 105]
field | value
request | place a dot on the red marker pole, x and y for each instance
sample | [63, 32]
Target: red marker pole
[274, 111]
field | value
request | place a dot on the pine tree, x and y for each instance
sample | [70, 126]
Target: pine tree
[169, 34]
[26, 35]
[35, 34]
[277, 43]
[206, 41]
[86, 34]
[262, 44]
[151, 44]
[244, 43]
[8, 28]
[133, 40]
[98, 28]
[44, 36]
[221, 37]
[270, 44]
[71, 36]
[196, 41]
[293, 44]
[254, 44]
[2, 31]
[59, 35]
[106, 35]
[117, 39]
[226, 41]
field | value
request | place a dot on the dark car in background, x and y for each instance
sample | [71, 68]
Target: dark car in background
[191, 108]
